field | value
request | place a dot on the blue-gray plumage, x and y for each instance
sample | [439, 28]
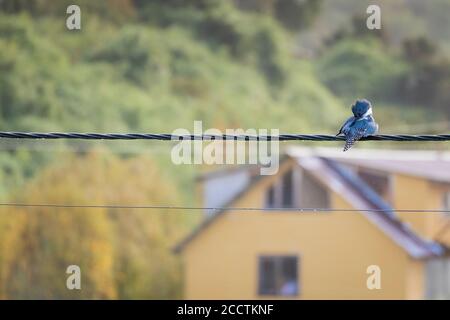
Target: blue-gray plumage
[362, 124]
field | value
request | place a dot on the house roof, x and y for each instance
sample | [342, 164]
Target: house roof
[350, 187]
[432, 165]
[325, 164]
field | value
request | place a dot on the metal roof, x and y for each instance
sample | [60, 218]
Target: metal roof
[356, 192]
[432, 165]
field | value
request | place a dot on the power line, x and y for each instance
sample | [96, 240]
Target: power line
[295, 209]
[244, 137]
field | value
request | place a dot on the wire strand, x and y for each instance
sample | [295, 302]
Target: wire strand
[295, 209]
[245, 137]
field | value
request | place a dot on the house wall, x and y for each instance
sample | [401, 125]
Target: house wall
[418, 193]
[335, 250]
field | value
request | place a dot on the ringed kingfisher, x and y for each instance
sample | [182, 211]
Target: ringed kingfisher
[361, 124]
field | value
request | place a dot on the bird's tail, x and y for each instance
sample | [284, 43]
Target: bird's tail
[349, 143]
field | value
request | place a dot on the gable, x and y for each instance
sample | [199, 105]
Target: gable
[355, 192]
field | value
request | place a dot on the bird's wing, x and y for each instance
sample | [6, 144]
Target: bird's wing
[346, 125]
[357, 134]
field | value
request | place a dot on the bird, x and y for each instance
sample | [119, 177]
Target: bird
[361, 124]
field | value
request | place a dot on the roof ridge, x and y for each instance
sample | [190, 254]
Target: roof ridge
[361, 154]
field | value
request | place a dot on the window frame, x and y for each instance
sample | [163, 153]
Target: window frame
[288, 198]
[278, 274]
[446, 203]
[437, 278]
[274, 195]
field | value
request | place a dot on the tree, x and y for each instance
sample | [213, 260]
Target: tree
[296, 14]
[121, 253]
[419, 49]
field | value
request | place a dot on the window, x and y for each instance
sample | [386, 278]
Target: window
[438, 278]
[282, 193]
[446, 201]
[313, 194]
[278, 275]
[288, 190]
[297, 188]
[270, 197]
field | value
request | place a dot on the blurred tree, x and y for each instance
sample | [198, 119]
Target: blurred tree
[296, 14]
[122, 253]
[271, 55]
[353, 67]
[16, 6]
[419, 49]
[198, 4]
[223, 26]
[260, 6]
[428, 80]
[359, 29]
[356, 30]
[114, 10]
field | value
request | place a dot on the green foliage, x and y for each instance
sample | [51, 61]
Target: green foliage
[428, 84]
[271, 55]
[365, 62]
[427, 81]
[154, 67]
[20, 93]
[112, 10]
[419, 49]
[246, 37]
[361, 69]
[152, 76]
[296, 14]
[122, 253]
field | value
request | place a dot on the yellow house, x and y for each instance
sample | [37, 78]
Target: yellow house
[360, 243]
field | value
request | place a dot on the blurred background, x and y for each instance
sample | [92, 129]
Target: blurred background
[154, 66]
